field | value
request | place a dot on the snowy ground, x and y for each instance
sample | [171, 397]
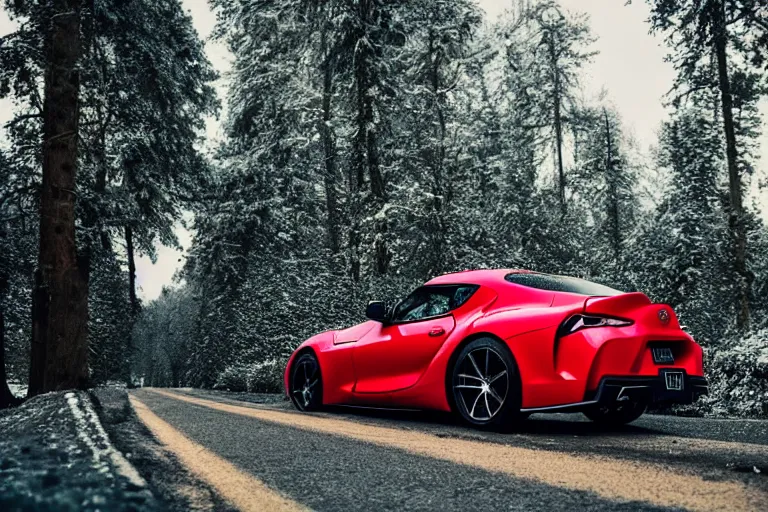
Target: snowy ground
[55, 455]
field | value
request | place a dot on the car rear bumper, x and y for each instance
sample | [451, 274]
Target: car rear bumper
[670, 386]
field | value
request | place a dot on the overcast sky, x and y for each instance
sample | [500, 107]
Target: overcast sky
[630, 67]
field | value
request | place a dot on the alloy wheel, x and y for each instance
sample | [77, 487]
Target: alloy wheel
[481, 384]
[305, 382]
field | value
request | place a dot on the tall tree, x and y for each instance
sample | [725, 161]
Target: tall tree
[60, 300]
[371, 29]
[425, 125]
[564, 39]
[605, 184]
[702, 30]
[684, 248]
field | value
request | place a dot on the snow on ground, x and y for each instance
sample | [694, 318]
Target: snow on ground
[55, 455]
[91, 432]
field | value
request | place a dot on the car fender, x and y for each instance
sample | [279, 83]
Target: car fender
[315, 343]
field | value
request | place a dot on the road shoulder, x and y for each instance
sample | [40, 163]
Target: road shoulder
[55, 455]
[173, 485]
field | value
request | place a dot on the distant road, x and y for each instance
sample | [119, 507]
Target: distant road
[267, 456]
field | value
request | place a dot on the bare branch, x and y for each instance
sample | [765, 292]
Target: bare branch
[24, 117]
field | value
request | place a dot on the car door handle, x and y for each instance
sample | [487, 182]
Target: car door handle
[436, 331]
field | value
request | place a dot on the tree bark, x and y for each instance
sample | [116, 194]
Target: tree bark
[60, 297]
[441, 182]
[736, 213]
[134, 300]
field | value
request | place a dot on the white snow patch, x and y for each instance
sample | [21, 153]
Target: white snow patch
[19, 390]
[92, 433]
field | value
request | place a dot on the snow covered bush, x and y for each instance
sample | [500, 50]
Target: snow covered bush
[233, 378]
[738, 377]
[266, 377]
[263, 377]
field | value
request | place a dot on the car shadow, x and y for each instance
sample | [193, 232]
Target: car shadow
[538, 424]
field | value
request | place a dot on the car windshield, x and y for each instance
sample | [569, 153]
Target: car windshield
[562, 284]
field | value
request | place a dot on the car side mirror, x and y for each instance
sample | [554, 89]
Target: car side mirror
[377, 310]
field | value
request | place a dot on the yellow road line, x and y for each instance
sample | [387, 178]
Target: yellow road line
[610, 478]
[239, 488]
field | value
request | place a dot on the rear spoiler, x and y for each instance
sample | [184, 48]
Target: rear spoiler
[616, 304]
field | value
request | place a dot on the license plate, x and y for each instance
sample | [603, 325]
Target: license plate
[663, 355]
[674, 381]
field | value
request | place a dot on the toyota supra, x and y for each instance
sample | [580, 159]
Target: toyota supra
[494, 346]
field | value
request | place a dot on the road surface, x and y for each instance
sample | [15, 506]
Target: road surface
[270, 457]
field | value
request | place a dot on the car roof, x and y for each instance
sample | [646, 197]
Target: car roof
[488, 277]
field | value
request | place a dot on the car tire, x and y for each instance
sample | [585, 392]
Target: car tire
[306, 383]
[484, 386]
[618, 415]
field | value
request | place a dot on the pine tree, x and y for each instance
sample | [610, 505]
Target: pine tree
[703, 31]
[685, 248]
[60, 307]
[563, 39]
[144, 93]
[605, 186]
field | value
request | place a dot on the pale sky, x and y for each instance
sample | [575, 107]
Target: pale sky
[630, 67]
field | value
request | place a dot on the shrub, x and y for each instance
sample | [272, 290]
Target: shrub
[264, 377]
[233, 378]
[738, 377]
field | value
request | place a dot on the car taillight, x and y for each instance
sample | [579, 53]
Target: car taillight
[579, 322]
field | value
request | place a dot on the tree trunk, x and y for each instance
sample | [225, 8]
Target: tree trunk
[441, 182]
[7, 399]
[60, 297]
[329, 150]
[558, 100]
[365, 152]
[610, 175]
[381, 255]
[134, 300]
[357, 170]
[736, 213]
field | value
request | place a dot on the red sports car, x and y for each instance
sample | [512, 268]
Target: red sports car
[497, 345]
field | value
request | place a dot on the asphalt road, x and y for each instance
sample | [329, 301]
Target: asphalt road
[256, 449]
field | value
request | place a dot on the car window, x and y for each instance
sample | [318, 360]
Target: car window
[432, 301]
[562, 284]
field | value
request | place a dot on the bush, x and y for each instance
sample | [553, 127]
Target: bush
[233, 378]
[738, 377]
[264, 377]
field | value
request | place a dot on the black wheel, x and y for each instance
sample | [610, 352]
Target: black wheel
[485, 385]
[616, 415]
[306, 383]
